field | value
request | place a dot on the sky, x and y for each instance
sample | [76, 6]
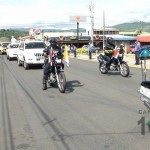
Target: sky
[59, 11]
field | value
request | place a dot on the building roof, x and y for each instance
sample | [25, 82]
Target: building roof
[143, 38]
[106, 29]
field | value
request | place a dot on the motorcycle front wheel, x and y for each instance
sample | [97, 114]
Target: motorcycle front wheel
[44, 83]
[103, 68]
[124, 70]
[62, 82]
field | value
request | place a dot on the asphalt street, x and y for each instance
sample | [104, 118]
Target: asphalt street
[97, 112]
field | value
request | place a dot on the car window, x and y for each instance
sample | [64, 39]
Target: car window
[146, 47]
[5, 44]
[33, 45]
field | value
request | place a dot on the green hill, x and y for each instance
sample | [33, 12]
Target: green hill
[133, 27]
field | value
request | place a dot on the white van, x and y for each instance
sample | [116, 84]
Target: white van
[31, 53]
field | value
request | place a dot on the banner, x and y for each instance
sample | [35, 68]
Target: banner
[66, 58]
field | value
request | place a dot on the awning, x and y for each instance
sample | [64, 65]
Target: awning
[143, 38]
[122, 38]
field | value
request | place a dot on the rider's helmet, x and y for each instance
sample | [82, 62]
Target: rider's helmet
[110, 42]
[53, 41]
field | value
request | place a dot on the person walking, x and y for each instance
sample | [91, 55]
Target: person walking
[74, 50]
[137, 52]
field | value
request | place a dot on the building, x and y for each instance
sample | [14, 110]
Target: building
[144, 39]
[114, 33]
[106, 31]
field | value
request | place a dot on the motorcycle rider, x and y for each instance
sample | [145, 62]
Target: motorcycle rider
[109, 49]
[48, 54]
[121, 50]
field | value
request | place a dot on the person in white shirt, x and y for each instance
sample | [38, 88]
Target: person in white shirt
[13, 40]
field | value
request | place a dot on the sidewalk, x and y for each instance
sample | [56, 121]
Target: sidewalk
[129, 58]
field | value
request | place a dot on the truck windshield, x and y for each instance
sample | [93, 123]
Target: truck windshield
[34, 45]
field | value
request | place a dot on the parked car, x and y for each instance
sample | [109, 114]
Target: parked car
[12, 51]
[146, 47]
[131, 49]
[94, 48]
[3, 47]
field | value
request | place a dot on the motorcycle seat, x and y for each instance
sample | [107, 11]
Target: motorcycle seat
[146, 84]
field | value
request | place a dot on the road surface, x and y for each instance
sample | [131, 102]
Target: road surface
[97, 112]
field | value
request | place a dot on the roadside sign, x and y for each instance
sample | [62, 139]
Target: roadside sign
[37, 31]
[77, 18]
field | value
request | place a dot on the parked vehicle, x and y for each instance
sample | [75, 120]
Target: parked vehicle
[12, 51]
[30, 53]
[3, 47]
[94, 48]
[57, 74]
[131, 49]
[115, 64]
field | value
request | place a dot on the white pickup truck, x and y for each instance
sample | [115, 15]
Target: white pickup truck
[30, 53]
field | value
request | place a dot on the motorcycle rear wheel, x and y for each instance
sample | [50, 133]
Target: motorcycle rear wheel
[124, 70]
[62, 82]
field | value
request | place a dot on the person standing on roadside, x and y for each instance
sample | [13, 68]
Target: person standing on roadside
[13, 40]
[74, 50]
[137, 52]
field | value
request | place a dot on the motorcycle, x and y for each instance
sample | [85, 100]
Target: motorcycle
[115, 64]
[57, 75]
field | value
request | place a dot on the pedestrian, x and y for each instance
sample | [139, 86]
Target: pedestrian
[13, 40]
[137, 52]
[90, 50]
[74, 50]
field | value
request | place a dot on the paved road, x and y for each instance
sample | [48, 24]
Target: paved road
[97, 112]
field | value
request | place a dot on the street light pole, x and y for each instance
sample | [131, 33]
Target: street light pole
[77, 33]
[91, 8]
[103, 29]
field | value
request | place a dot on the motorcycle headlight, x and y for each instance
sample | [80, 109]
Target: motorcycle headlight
[58, 61]
[120, 55]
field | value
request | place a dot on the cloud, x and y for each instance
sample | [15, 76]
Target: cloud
[58, 11]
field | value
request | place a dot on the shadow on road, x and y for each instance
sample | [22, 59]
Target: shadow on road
[71, 85]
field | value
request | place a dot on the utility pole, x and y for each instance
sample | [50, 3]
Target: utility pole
[91, 8]
[103, 29]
